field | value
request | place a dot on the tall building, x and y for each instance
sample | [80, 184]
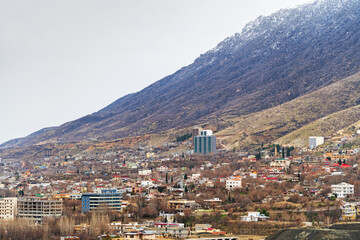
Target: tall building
[315, 141]
[107, 198]
[195, 132]
[205, 142]
[8, 208]
[38, 208]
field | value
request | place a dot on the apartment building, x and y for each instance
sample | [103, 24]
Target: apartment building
[8, 208]
[342, 190]
[315, 141]
[39, 208]
[349, 211]
[205, 142]
[233, 182]
[106, 198]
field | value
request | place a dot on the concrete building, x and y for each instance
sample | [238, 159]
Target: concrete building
[281, 163]
[342, 190]
[107, 198]
[180, 204]
[205, 142]
[315, 141]
[38, 208]
[8, 207]
[233, 182]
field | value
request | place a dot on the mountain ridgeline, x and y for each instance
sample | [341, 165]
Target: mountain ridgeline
[272, 61]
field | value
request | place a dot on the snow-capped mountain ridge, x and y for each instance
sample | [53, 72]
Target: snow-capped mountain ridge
[273, 60]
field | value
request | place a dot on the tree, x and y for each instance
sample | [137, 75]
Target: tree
[339, 162]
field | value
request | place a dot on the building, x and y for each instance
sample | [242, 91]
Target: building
[38, 208]
[205, 142]
[8, 208]
[195, 132]
[107, 198]
[233, 182]
[315, 141]
[281, 163]
[254, 217]
[173, 230]
[180, 204]
[342, 190]
[349, 211]
[145, 172]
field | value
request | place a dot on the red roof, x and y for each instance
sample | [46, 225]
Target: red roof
[345, 165]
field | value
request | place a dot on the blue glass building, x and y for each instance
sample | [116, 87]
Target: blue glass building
[107, 198]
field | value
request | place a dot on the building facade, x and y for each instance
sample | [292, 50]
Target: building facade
[315, 141]
[234, 182]
[342, 190]
[205, 142]
[8, 207]
[38, 208]
[106, 198]
[349, 211]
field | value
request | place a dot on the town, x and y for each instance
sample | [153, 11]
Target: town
[186, 189]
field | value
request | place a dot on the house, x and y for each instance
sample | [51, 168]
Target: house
[233, 182]
[254, 217]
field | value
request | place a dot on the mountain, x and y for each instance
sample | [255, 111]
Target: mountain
[272, 61]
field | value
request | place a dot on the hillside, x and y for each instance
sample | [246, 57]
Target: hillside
[336, 231]
[341, 98]
[272, 61]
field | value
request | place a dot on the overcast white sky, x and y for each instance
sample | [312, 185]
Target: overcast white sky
[61, 60]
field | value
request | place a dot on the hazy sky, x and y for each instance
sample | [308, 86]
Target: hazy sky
[60, 60]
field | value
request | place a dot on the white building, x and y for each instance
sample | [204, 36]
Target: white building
[8, 208]
[315, 141]
[233, 182]
[145, 172]
[342, 190]
[254, 217]
[281, 163]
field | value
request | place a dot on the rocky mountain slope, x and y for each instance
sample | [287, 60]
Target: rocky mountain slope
[337, 231]
[274, 60]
